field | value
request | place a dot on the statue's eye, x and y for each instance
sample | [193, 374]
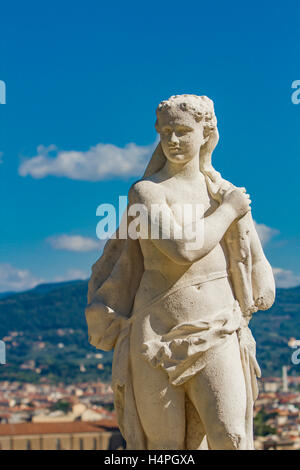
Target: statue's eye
[183, 130]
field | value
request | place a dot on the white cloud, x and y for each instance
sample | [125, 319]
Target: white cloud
[72, 275]
[16, 280]
[265, 233]
[286, 278]
[74, 243]
[104, 161]
[19, 280]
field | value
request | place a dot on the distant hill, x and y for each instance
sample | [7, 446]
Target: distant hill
[44, 288]
[41, 288]
[273, 329]
[6, 294]
[46, 335]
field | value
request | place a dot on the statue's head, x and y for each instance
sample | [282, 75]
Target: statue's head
[185, 124]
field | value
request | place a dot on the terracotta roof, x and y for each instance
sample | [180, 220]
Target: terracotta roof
[57, 428]
[107, 423]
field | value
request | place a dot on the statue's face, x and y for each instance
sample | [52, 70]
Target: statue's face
[181, 136]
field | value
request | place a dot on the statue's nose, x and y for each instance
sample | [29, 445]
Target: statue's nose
[173, 138]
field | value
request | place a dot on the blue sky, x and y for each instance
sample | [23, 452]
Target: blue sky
[86, 77]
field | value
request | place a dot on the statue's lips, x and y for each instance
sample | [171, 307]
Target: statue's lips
[174, 149]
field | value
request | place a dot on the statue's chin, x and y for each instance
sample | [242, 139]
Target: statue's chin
[178, 158]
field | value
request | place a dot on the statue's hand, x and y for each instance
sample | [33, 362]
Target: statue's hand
[238, 200]
[246, 339]
[213, 139]
[248, 347]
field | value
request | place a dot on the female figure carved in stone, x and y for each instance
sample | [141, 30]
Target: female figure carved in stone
[184, 371]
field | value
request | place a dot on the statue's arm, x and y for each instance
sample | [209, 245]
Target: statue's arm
[263, 283]
[104, 325]
[214, 226]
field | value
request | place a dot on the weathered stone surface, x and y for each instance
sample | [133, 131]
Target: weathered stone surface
[176, 311]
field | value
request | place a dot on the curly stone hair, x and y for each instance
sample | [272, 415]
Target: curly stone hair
[200, 107]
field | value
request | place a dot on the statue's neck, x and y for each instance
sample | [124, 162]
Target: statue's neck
[189, 170]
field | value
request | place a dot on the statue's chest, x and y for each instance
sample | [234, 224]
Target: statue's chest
[185, 200]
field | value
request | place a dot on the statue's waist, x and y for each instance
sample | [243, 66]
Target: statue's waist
[187, 289]
[187, 347]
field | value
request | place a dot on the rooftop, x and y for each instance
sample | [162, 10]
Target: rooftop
[57, 428]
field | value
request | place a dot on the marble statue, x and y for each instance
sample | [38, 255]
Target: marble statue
[184, 368]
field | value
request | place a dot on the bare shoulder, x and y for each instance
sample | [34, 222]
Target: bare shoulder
[145, 192]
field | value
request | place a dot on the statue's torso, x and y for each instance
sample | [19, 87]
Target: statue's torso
[197, 299]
